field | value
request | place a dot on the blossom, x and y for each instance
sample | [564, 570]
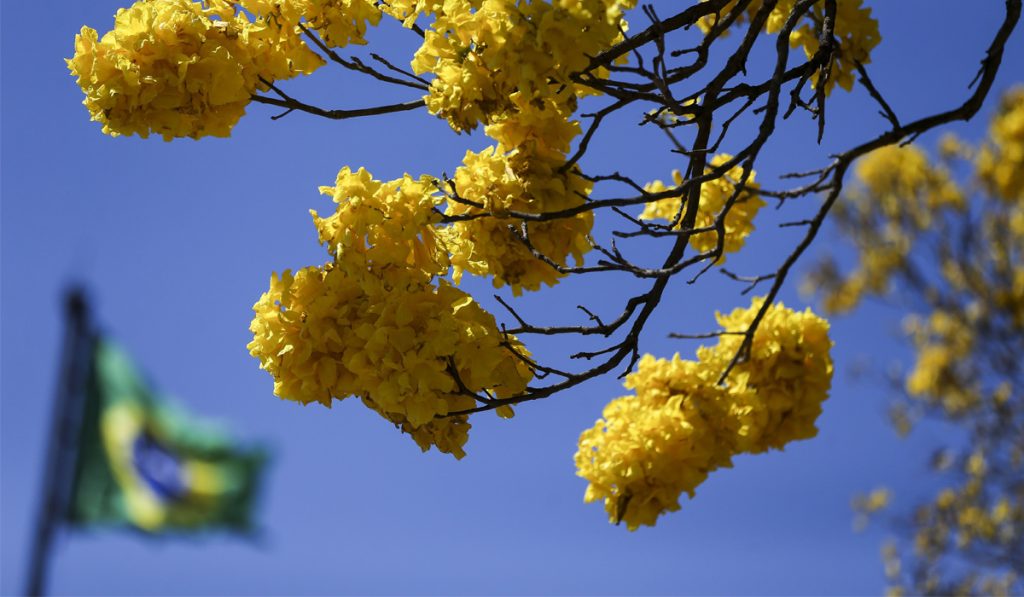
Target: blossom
[680, 425]
[483, 52]
[342, 22]
[855, 31]
[179, 68]
[376, 224]
[338, 22]
[899, 195]
[714, 195]
[639, 459]
[376, 322]
[494, 243]
[785, 379]
[1000, 164]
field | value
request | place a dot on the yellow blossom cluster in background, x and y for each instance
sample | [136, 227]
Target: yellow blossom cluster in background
[943, 343]
[338, 22]
[956, 252]
[999, 162]
[868, 505]
[856, 32]
[900, 197]
[958, 518]
[714, 195]
[650, 447]
[377, 322]
[341, 22]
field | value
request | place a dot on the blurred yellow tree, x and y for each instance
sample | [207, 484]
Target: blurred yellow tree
[952, 253]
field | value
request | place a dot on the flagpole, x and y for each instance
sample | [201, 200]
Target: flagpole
[64, 427]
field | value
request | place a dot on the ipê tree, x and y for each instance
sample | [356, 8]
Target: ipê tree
[943, 238]
[383, 317]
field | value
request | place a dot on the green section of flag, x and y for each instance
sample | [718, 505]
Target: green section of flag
[145, 463]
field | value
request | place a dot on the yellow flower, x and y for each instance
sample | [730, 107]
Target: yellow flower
[680, 425]
[714, 194]
[485, 53]
[379, 223]
[377, 323]
[1000, 165]
[489, 245]
[899, 196]
[640, 458]
[855, 30]
[179, 69]
[786, 378]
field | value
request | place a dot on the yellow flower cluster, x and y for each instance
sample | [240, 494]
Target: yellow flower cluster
[342, 22]
[680, 425]
[906, 185]
[379, 224]
[377, 323]
[407, 11]
[181, 69]
[944, 343]
[855, 30]
[523, 173]
[714, 194]
[958, 517]
[868, 505]
[646, 451]
[786, 378]
[857, 33]
[900, 195]
[482, 52]
[339, 22]
[492, 244]
[1001, 164]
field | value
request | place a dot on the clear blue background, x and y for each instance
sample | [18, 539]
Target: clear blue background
[176, 240]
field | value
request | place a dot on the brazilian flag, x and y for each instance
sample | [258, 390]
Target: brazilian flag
[144, 463]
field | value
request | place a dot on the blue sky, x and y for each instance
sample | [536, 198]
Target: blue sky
[175, 241]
